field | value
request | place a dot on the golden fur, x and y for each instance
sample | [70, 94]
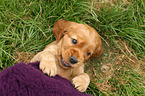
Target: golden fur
[74, 44]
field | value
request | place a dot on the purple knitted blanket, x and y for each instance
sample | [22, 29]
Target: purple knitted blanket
[27, 80]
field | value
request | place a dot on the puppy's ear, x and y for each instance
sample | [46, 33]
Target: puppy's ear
[98, 50]
[60, 28]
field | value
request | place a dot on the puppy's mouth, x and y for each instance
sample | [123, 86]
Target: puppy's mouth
[64, 63]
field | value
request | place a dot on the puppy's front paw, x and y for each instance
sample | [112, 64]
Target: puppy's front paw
[81, 82]
[48, 68]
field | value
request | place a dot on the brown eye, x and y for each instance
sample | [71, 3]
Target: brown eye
[74, 41]
[88, 53]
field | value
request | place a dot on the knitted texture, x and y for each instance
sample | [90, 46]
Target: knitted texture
[27, 80]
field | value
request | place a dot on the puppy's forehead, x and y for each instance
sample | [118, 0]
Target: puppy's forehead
[82, 31]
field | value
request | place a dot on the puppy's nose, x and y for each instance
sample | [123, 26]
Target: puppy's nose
[73, 60]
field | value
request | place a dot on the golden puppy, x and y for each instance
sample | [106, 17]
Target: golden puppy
[74, 44]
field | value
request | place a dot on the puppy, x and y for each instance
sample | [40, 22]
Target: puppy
[74, 44]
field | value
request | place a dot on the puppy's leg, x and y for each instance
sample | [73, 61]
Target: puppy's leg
[47, 62]
[36, 57]
[81, 82]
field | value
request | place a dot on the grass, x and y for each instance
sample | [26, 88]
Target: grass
[26, 28]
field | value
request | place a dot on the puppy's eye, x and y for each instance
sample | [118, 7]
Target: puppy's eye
[88, 53]
[74, 41]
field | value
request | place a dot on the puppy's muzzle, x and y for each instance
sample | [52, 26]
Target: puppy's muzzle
[73, 60]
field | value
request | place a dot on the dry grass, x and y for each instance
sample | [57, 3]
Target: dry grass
[23, 56]
[114, 65]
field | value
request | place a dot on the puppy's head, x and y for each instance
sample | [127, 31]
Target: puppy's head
[77, 43]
